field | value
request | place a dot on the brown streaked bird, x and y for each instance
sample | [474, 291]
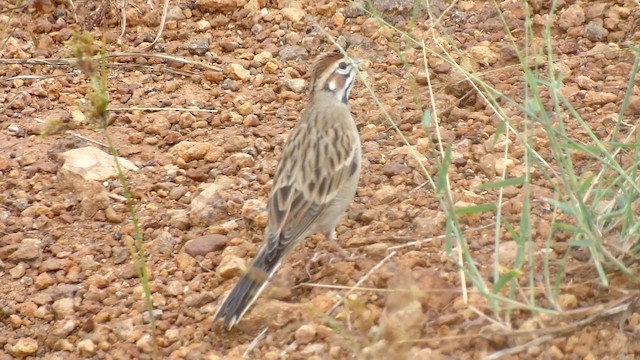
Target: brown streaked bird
[315, 180]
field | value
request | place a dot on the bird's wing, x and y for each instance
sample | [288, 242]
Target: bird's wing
[317, 161]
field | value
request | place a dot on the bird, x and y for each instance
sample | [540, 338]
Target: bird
[314, 183]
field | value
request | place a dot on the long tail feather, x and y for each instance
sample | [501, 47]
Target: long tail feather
[247, 290]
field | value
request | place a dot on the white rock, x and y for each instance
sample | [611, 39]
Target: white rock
[93, 164]
[231, 266]
[237, 72]
[292, 14]
[295, 85]
[209, 205]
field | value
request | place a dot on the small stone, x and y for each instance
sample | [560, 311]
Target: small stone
[270, 67]
[634, 105]
[191, 150]
[595, 10]
[86, 347]
[238, 72]
[384, 195]
[292, 52]
[263, 57]
[255, 211]
[112, 216]
[203, 25]
[28, 250]
[185, 261]
[292, 14]
[28, 158]
[24, 347]
[572, 16]
[483, 55]
[242, 160]
[231, 266]
[595, 32]
[235, 144]
[394, 7]
[378, 249]
[305, 334]
[209, 205]
[78, 116]
[214, 76]
[422, 78]
[354, 9]
[599, 98]
[217, 6]
[18, 271]
[503, 164]
[395, 168]
[228, 45]
[92, 163]
[198, 300]
[295, 85]
[174, 288]
[179, 219]
[203, 245]
[63, 307]
[175, 13]
[43, 281]
[54, 264]
[568, 301]
[585, 82]
[146, 343]
[198, 47]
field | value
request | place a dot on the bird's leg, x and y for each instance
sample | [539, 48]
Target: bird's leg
[333, 243]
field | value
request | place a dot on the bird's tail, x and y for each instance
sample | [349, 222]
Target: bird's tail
[247, 289]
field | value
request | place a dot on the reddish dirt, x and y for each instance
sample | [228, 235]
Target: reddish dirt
[69, 289]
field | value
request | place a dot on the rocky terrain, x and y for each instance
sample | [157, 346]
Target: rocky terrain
[199, 131]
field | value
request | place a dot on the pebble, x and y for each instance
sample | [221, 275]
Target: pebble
[571, 17]
[237, 72]
[29, 250]
[203, 25]
[175, 13]
[24, 347]
[86, 347]
[231, 266]
[191, 150]
[295, 85]
[292, 14]
[63, 307]
[209, 206]
[18, 271]
[292, 52]
[595, 32]
[198, 47]
[599, 98]
[185, 261]
[44, 280]
[305, 334]
[217, 6]
[205, 244]
[198, 300]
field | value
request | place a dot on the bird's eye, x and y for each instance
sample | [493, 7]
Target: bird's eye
[342, 66]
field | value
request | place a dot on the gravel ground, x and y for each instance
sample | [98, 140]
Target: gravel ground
[200, 180]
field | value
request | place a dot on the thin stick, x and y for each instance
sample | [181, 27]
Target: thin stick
[363, 279]
[70, 61]
[254, 343]
[163, 21]
[520, 348]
